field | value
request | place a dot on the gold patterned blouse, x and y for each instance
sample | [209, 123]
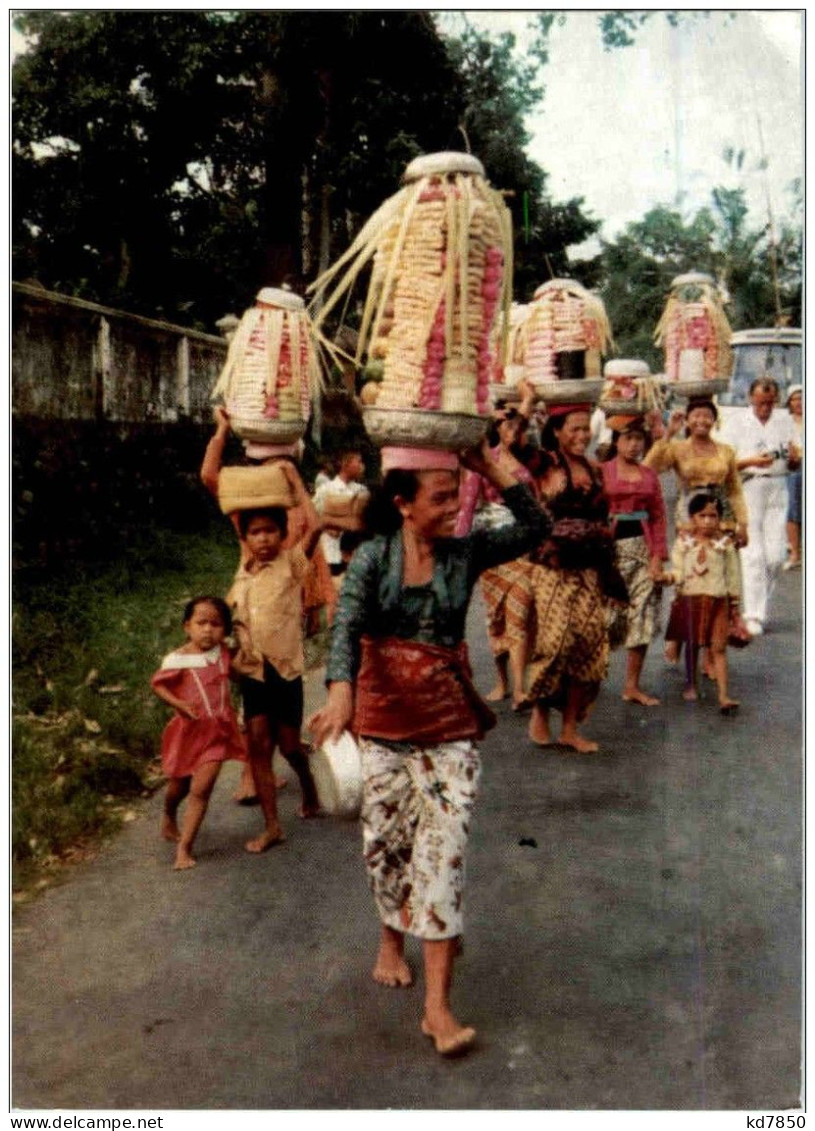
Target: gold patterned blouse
[694, 470]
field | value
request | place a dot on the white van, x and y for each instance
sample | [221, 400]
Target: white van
[774, 353]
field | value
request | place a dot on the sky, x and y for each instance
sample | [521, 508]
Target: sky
[637, 126]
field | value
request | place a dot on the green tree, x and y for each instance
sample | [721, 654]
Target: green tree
[173, 162]
[176, 161]
[634, 272]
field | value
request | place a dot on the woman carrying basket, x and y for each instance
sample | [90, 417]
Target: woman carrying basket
[399, 678]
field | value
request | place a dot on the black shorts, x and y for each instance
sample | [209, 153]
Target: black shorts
[279, 699]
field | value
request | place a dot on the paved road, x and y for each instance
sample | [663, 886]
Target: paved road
[643, 953]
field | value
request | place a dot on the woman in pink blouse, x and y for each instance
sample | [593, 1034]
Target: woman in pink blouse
[639, 529]
[506, 589]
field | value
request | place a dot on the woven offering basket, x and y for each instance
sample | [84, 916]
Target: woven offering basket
[629, 388]
[247, 488]
[272, 370]
[259, 431]
[440, 253]
[695, 334]
[417, 428]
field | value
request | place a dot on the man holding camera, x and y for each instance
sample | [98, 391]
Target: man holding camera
[764, 442]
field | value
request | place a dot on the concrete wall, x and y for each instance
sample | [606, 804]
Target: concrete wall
[76, 360]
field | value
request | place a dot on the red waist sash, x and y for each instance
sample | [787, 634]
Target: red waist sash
[421, 693]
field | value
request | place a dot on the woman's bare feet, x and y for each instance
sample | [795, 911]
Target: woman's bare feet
[169, 828]
[635, 695]
[577, 742]
[539, 732]
[498, 693]
[183, 860]
[448, 1036]
[310, 811]
[390, 968]
[267, 839]
[689, 695]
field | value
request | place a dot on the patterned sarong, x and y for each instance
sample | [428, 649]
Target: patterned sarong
[634, 625]
[416, 808]
[507, 591]
[571, 641]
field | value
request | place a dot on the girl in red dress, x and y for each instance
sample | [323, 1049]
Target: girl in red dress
[194, 680]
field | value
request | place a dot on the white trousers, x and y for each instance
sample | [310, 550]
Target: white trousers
[762, 558]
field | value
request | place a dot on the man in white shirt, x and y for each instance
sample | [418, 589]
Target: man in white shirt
[761, 439]
[345, 485]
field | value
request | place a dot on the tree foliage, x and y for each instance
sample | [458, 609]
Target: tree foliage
[174, 161]
[634, 272]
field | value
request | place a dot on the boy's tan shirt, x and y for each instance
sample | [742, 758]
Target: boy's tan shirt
[267, 608]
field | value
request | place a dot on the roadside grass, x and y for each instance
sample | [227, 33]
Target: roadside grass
[86, 725]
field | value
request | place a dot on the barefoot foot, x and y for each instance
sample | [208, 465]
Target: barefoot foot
[169, 828]
[447, 1035]
[498, 693]
[183, 860]
[577, 742]
[267, 839]
[390, 968]
[393, 971]
[635, 695]
[310, 811]
[539, 732]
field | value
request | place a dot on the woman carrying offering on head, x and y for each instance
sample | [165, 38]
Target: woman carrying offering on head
[574, 577]
[398, 677]
[700, 463]
[640, 544]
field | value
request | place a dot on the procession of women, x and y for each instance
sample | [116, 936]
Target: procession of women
[489, 480]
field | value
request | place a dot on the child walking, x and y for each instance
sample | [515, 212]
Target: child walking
[705, 570]
[318, 590]
[267, 606]
[194, 681]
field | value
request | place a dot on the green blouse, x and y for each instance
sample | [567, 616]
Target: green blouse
[374, 602]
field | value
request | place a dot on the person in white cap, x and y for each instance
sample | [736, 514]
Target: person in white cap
[399, 678]
[764, 444]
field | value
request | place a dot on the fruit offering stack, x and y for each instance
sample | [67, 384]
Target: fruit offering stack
[695, 334]
[564, 337]
[272, 369]
[440, 251]
[629, 388]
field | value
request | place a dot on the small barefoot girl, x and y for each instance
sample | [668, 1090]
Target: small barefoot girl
[194, 680]
[705, 570]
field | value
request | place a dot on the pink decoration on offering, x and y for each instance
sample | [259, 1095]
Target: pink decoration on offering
[418, 459]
